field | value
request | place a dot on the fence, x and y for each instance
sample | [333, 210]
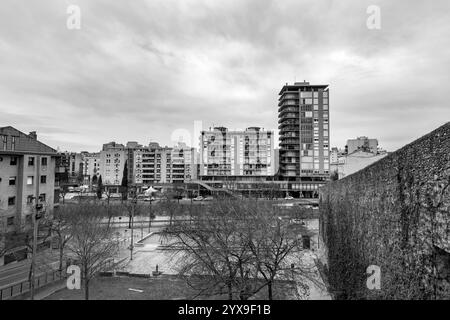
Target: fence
[41, 280]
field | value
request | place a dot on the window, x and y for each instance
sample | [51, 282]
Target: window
[42, 197]
[12, 181]
[305, 94]
[43, 179]
[4, 139]
[44, 161]
[13, 161]
[10, 221]
[13, 143]
[11, 201]
[30, 199]
[30, 161]
[30, 180]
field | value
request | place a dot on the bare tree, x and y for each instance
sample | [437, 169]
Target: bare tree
[60, 228]
[169, 206]
[273, 244]
[207, 247]
[92, 240]
[240, 247]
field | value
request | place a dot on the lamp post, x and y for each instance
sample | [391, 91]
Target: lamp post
[133, 208]
[35, 219]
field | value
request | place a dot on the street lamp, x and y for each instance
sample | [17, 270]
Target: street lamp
[134, 202]
[36, 215]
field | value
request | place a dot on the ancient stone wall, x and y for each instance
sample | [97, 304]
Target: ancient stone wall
[394, 214]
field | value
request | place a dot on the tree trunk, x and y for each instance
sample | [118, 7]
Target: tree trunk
[150, 217]
[230, 291]
[61, 254]
[86, 284]
[86, 290]
[269, 289]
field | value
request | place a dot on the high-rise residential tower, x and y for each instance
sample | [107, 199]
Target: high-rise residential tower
[303, 118]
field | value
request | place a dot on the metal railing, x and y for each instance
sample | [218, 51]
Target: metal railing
[21, 287]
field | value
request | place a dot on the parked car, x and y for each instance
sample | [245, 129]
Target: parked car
[199, 198]
[289, 198]
[208, 199]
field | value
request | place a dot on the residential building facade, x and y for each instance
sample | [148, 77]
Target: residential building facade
[112, 161]
[236, 153]
[361, 143]
[303, 118]
[27, 177]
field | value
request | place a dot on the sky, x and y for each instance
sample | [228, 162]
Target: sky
[147, 70]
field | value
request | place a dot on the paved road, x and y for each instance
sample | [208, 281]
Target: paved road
[19, 272]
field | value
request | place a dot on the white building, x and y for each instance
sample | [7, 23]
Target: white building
[348, 164]
[237, 153]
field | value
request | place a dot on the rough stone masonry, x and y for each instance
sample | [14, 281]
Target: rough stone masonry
[394, 214]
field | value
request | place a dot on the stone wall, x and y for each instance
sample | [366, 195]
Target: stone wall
[394, 214]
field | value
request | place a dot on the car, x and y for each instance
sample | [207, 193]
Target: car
[199, 198]
[143, 197]
[289, 198]
[208, 199]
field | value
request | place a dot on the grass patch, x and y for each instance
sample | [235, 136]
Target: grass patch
[164, 288]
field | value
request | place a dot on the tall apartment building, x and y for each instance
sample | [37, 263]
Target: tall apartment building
[155, 164]
[112, 160]
[91, 165]
[183, 163]
[303, 118]
[27, 172]
[152, 165]
[362, 143]
[237, 153]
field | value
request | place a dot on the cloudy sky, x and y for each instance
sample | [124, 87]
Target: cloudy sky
[140, 70]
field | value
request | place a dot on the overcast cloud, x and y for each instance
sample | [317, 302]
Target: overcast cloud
[137, 70]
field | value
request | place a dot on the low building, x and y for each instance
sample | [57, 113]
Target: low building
[351, 163]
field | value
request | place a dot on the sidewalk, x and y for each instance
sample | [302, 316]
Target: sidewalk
[44, 292]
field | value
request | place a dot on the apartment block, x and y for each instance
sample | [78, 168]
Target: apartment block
[237, 153]
[91, 165]
[362, 143]
[27, 173]
[112, 160]
[183, 163]
[155, 164]
[303, 118]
